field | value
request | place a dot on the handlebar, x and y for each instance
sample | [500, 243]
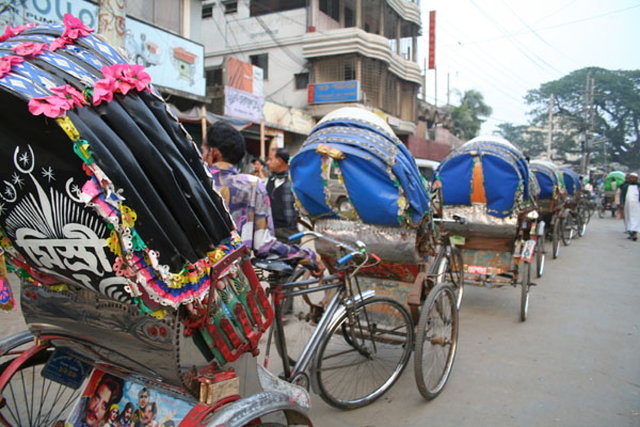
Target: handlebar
[361, 248]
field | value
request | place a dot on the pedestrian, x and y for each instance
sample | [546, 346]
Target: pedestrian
[259, 169]
[630, 199]
[279, 190]
[247, 199]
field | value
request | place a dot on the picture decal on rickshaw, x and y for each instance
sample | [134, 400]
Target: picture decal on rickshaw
[111, 401]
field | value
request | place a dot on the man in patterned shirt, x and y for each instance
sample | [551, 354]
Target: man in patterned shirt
[246, 197]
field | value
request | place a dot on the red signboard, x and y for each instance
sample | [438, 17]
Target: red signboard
[432, 40]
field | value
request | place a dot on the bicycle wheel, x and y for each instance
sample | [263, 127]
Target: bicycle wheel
[436, 341]
[448, 267]
[363, 353]
[581, 224]
[525, 282]
[301, 315]
[540, 256]
[29, 398]
[568, 229]
[555, 241]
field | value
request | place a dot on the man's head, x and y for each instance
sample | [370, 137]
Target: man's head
[149, 413]
[632, 177]
[143, 397]
[223, 143]
[278, 160]
[108, 391]
[127, 412]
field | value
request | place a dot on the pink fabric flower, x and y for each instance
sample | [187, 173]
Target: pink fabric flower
[74, 28]
[50, 106]
[140, 79]
[59, 43]
[103, 91]
[29, 49]
[14, 31]
[7, 63]
[120, 78]
[73, 96]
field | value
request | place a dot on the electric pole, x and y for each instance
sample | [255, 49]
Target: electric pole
[550, 127]
[588, 125]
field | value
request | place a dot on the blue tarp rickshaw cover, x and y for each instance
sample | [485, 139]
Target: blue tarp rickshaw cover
[353, 167]
[549, 179]
[571, 180]
[487, 170]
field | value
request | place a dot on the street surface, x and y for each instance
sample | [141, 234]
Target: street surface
[574, 362]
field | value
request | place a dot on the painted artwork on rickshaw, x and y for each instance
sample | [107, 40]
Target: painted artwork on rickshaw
[111, 401]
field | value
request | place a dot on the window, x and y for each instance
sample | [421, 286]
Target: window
[261, 61]
[302, 80]
[230, 6]
[331, 8]
[213, 77]
[263, 7]
[207, 11]
[349, 71]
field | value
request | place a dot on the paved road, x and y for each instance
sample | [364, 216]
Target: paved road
[574, 362]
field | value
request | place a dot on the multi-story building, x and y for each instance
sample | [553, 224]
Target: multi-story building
[316, 56]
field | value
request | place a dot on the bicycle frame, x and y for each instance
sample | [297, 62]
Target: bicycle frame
[333, 312]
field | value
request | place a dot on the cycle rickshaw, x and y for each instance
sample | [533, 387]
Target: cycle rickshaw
[575, 216]
[487, 181]
[133, 280]
[550, 201]
[357, 183]
[612, 181]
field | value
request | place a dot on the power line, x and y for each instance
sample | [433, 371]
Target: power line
[562, 24]
[513, 41]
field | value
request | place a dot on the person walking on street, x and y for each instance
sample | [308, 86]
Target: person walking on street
[258, 169]
[630, 200]
[247, 199]
[280, 194]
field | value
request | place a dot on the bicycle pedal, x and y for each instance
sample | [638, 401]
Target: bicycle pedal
[533, 284]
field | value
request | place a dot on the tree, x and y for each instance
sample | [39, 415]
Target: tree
[531, 141]
[467, 117]
[615, 125]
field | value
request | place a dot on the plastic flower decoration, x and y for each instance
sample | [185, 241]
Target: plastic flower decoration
[120, 78]
[29, 49]
[71, 95]
[73, 28]
[14, 31]
[7, 63]
[50, 106]
[54, 106]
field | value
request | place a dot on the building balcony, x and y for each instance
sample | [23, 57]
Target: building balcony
[346, 41]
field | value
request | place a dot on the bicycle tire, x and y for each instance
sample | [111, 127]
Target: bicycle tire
[436, 340]
[525, 282]
[30, 398]
[540, 256]
[568, 230]
[302, 319]
[448, 266]
[351, 371]
[581, 224]
[555, 238]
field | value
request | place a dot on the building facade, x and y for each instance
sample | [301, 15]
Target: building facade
[315, 56]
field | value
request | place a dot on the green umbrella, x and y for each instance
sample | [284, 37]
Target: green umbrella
[617, 176]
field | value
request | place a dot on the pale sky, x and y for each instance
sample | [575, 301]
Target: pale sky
[503, 48]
